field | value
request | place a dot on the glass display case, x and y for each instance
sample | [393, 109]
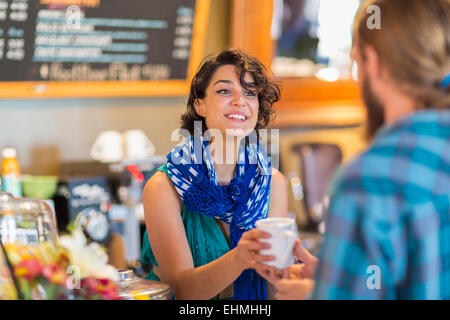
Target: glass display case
[25, 221]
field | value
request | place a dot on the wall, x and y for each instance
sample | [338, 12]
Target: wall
[46, 132]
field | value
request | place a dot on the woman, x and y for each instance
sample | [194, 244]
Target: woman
[199, 209]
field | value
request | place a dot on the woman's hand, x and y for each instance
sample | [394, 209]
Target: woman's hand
[248, 247]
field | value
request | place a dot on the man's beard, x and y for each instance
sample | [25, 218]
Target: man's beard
[374, 108]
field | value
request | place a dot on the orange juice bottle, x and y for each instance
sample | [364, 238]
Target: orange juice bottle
[11, 181]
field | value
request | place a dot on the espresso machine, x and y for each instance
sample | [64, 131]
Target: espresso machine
[310, 161]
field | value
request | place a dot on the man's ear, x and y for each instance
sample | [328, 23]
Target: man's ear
[200, 107]
[372, 63]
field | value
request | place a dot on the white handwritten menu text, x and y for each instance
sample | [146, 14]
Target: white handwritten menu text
[95, 40]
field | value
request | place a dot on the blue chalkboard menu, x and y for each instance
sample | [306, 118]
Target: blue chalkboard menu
[96, 40]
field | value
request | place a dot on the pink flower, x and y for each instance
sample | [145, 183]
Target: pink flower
[28, 269]
[104, 288]
[55, 274]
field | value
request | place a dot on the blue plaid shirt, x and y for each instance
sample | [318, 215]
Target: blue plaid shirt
[388, 225]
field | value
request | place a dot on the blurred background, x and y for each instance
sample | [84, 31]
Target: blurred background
[54, 125]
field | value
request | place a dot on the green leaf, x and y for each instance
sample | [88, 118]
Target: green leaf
[25, 288]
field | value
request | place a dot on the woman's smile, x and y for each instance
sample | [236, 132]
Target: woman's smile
[237, 116]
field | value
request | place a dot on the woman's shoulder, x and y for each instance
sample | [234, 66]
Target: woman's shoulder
[278, 195]
[158, 179]
[160, 187]
[278, 178]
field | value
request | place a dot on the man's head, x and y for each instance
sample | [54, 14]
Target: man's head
[401, 64]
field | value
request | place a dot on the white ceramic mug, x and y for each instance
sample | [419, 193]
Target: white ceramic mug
[137, 145]
[283, 235]
[108, 147]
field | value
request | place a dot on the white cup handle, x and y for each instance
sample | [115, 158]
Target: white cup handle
[290, 242]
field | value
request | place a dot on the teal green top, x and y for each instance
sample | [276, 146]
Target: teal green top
[204, 236]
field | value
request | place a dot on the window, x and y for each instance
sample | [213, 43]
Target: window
[313, 38]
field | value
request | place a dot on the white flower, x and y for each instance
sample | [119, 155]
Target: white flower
[91, 259]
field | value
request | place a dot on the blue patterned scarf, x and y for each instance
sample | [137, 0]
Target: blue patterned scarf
[241, 203]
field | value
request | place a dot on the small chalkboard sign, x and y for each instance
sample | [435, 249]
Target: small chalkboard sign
[99, 47]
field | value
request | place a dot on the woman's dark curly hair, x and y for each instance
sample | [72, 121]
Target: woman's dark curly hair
[268, 90]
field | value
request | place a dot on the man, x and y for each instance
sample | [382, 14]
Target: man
[388, 225]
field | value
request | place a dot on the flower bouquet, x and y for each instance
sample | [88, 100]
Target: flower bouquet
[69, 269]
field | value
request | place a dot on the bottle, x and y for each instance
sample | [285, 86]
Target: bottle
[11, 181]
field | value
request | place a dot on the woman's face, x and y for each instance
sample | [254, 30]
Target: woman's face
[227, 106]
